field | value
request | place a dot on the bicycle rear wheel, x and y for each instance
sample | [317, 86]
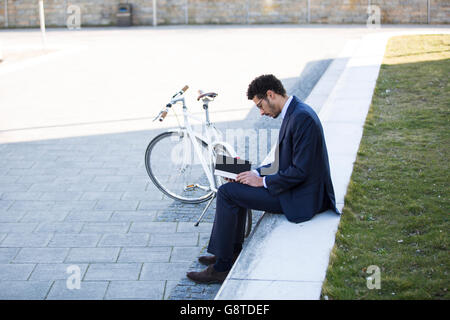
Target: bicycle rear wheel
[174, 167]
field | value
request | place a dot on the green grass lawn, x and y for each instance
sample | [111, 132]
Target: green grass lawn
[396, 213]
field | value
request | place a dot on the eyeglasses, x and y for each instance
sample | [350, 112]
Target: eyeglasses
[259, 103]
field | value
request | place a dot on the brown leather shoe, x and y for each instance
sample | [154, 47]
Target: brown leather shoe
[209, 275]
[207, 260]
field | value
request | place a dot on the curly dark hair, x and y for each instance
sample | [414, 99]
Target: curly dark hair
[259, 86]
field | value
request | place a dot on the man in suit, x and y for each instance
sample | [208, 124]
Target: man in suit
[298, 183]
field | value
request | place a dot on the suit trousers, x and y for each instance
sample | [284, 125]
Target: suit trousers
[233, 200]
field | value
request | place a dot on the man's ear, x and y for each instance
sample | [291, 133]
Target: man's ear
[270, 94]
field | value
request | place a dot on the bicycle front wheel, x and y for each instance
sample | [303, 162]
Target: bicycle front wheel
[175, 168]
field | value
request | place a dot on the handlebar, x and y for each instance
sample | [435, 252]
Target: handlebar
[180, 92]
[162, 114]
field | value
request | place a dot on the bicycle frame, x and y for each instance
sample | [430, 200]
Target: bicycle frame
[212, 138]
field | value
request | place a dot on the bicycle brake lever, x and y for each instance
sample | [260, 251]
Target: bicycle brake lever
[162, 112]
[157, 117]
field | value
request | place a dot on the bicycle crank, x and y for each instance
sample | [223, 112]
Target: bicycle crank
[193, 187]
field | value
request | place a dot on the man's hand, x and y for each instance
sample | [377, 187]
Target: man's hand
[250, 178]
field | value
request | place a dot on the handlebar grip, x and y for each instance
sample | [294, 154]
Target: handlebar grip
[185, 88]
[163, 115]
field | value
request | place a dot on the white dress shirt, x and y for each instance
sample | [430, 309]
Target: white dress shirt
[282, 114]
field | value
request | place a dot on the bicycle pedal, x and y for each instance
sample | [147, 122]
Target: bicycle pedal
[190, 187]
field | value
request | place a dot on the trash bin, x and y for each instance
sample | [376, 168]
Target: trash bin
[124, 15]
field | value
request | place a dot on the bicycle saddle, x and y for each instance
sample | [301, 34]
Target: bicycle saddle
[210, 95]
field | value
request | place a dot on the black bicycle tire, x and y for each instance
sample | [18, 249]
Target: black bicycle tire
[155, 180]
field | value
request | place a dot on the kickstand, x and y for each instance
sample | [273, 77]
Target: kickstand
[204, 210]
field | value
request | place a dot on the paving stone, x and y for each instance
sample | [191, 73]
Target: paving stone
[99, 172]
[11, 180]
[103, 195]
[41, 255]
[55, 271]
[17, 227]
[152, 204]
[9, 271]
[140, 216]
[92, 255]
[14, 187]
[89, 216]
[112, 179]
[107, 158]
[149, 290]
[8, 254]
[17, 164]
[102, 227]
[184, 254]
[189, 227]
[133, 172]
[59, 227]
[72, 164]
[24, 290]
[113, 271]
[76, 180]
[126, 186]
[154, 227]
[77, 158]
[62, 196]
[187, 289]
[40, 216]
[35, 179]
[26, 172]
[204, 237]
[5, 204]
[21, 195]
[88, 187]
[175, 239]
[140, 178]
[26, 240]
[170, 285]
[122, 164]
[163, 271]
[28, 205]
[189, 213]
[65, 240]
[11, 215]
[141, 195]
[80, 205]
[147, 254]
[61, 171]
[89, 290]
[116, 205]
[124, 240]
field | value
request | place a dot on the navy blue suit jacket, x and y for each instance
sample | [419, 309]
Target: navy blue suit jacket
[302, 180]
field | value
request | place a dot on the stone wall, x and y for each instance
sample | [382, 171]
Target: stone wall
[25, 13]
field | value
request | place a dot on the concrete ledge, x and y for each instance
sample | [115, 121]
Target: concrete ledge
[280, 259]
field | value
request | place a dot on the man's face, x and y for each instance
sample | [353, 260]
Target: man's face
[266, 107]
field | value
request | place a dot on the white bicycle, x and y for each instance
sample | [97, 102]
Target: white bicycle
[181, 162]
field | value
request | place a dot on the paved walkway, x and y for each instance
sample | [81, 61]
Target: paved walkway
[74, 125]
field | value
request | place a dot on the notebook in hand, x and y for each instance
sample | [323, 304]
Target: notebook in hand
[229, 167]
